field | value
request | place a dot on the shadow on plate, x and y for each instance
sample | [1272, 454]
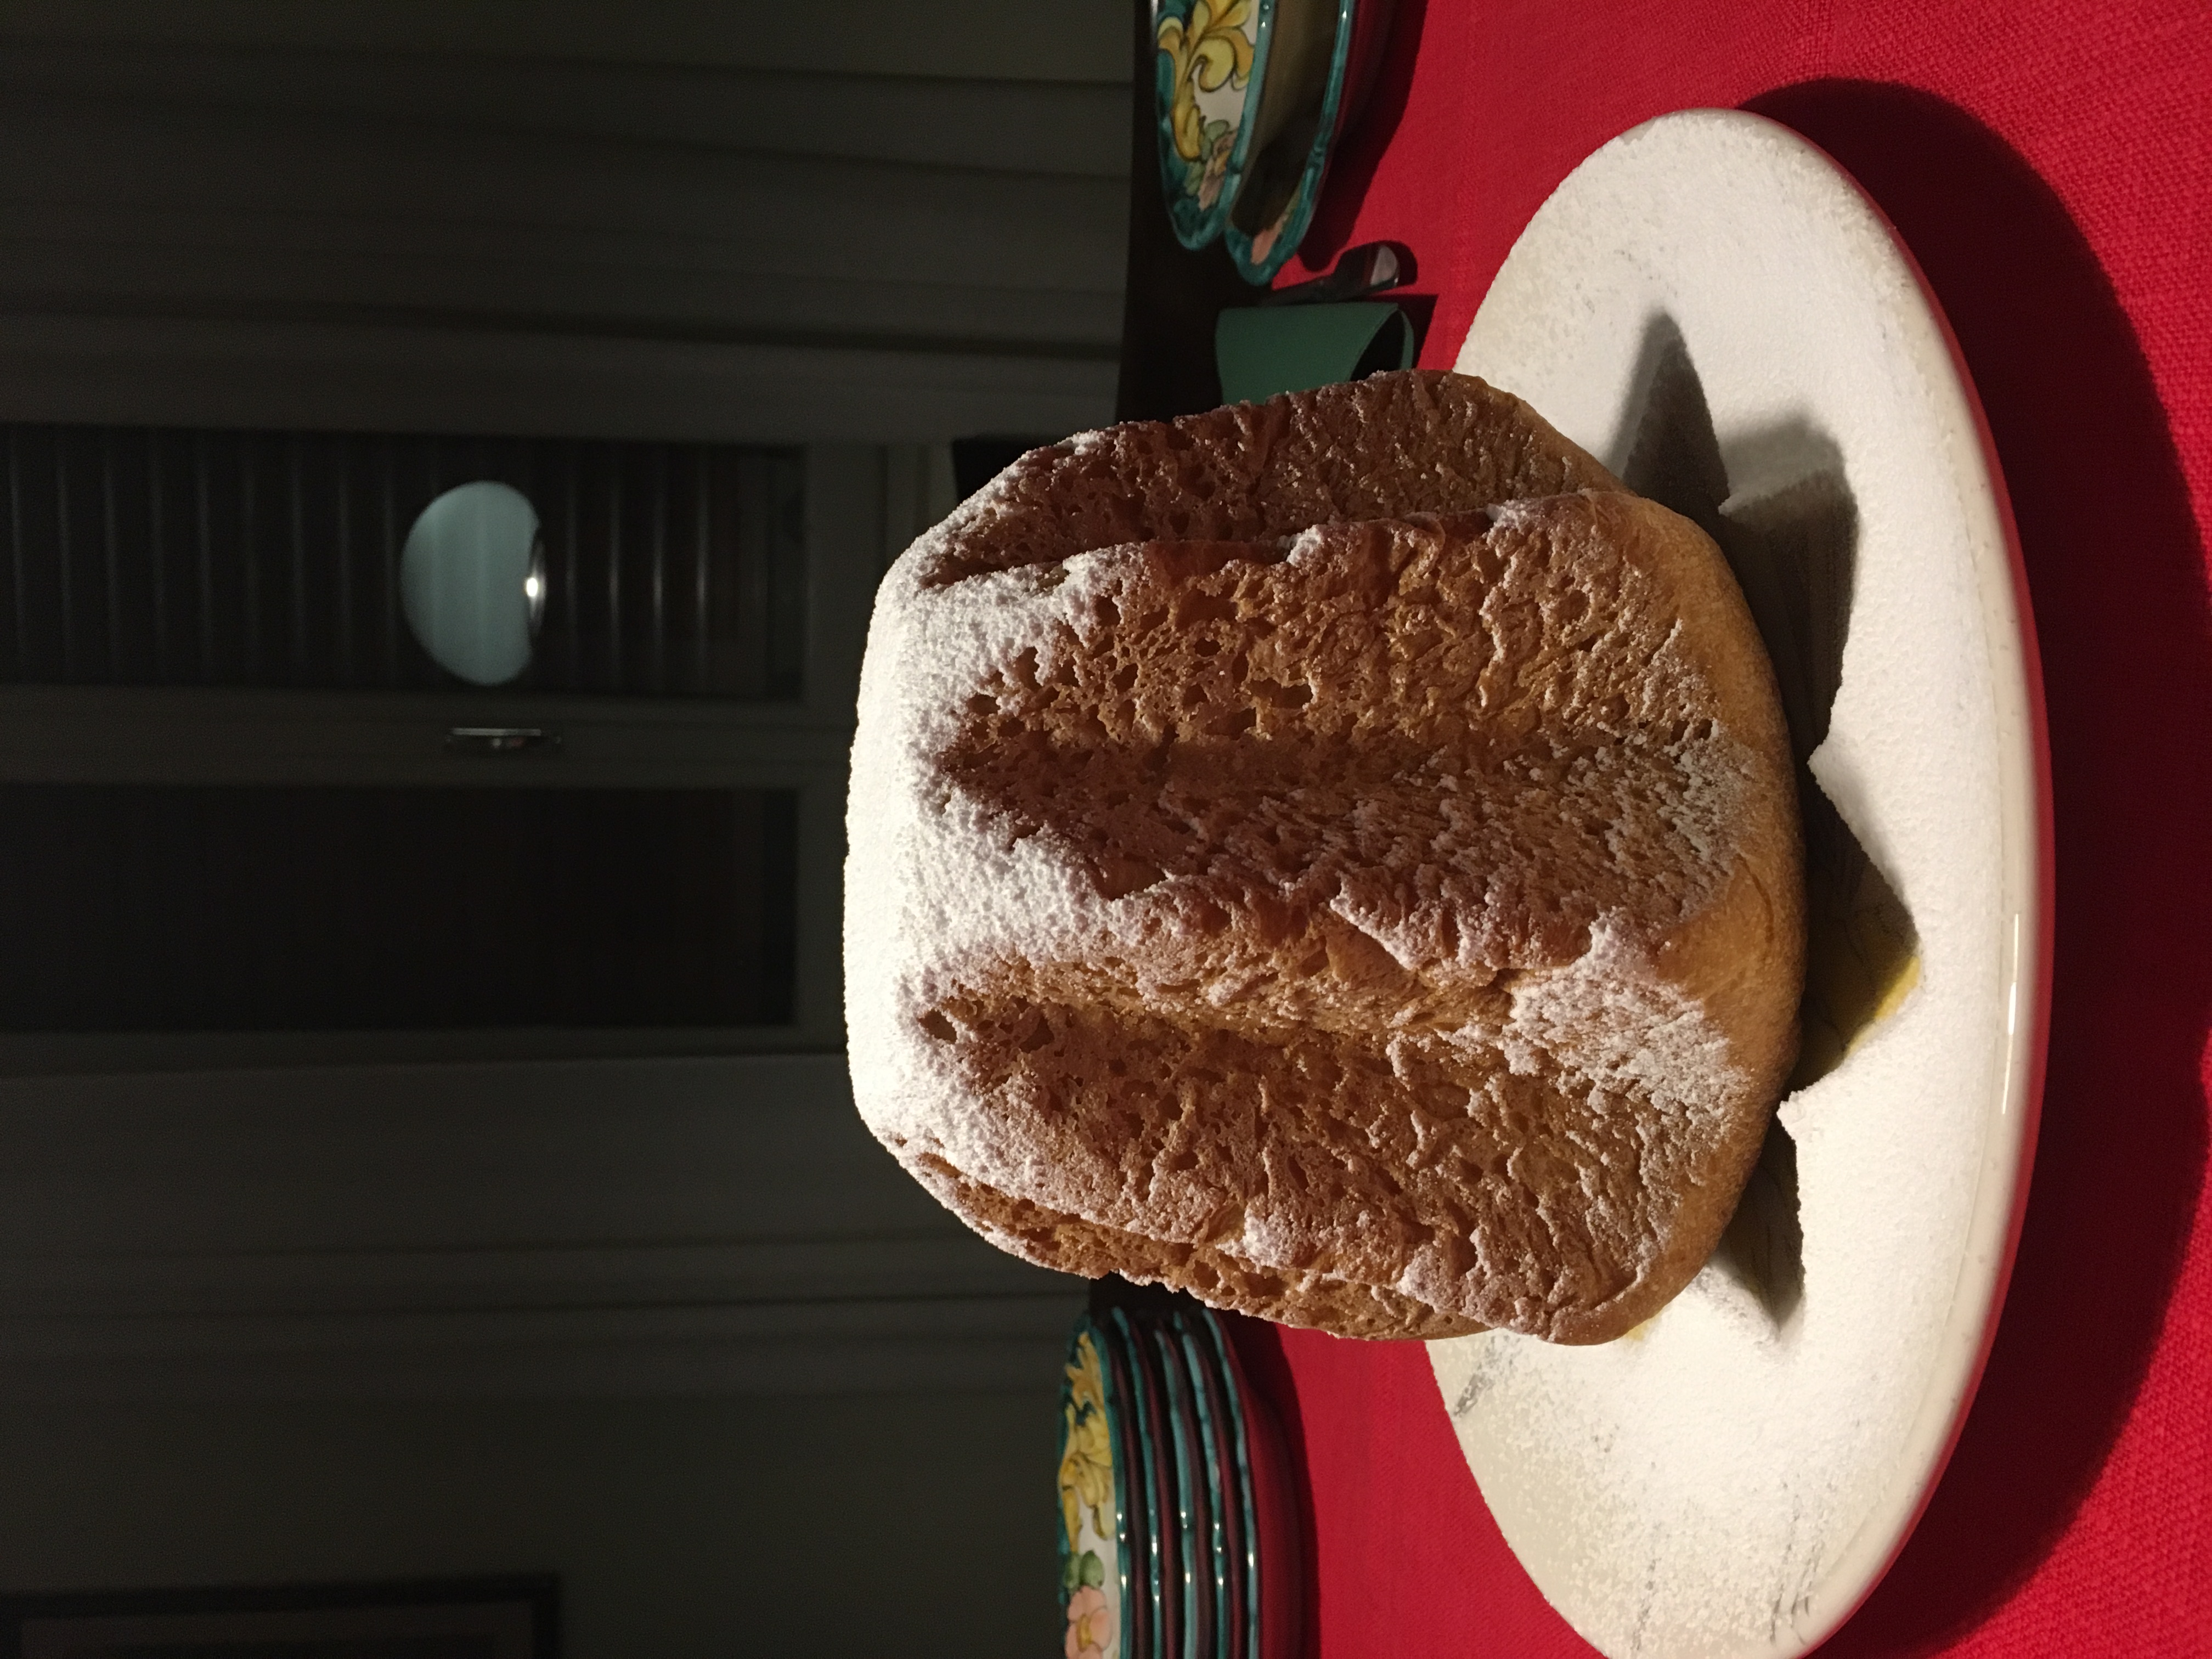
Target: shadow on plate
[1781, 508]
[2117, 574]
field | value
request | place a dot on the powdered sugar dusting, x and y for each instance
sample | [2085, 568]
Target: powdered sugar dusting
[1443, 857]
[930, 876]
[1615, 1025]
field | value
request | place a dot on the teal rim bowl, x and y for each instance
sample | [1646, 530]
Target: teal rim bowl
[1203, 104]
[1090, 1400]
[1194, 1494]
[1285, 143]
[1239, 1449]
[1143, 1637]
[1153, 1459]
[1221, 1432]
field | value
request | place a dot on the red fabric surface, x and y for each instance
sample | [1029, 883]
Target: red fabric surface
[2051, 167]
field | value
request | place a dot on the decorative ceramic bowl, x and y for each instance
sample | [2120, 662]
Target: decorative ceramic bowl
[1151, 1476]
[1203, 1343]
[1099, 1554]
[1218, 1468]
[1209, 1540]
[1223, 1418]
[1210, 63]
[1321, 65]
[1155, 1445]
[1142, 1636]
[1273, 1547]
[1193, 1492]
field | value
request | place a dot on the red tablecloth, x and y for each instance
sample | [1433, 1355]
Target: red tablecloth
[2051, 167]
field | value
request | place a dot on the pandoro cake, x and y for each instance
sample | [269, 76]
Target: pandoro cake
[1339, 856]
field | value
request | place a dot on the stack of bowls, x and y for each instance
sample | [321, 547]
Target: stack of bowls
[1179, 1526]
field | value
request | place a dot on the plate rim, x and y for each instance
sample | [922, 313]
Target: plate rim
[1221, 1357]
[1124, 1423]
[1195, 1529]
[2027, 892]
[1222, 1418]
[2030, 885]
[1312, 177]
[1165, 1621]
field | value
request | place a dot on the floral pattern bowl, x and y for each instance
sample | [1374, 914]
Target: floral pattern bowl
[1324, 63]
[1211, 63]
[1096, 1589]
[1252, 95]
[1180, 1531]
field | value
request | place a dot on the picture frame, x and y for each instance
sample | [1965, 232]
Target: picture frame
[493, 1618]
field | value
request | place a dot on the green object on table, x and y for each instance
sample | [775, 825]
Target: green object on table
[1262, 350]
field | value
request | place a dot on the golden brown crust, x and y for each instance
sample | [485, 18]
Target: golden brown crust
[1438, 966]
[1420, 441]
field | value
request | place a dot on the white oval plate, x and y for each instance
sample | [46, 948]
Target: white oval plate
[1732, 1477]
